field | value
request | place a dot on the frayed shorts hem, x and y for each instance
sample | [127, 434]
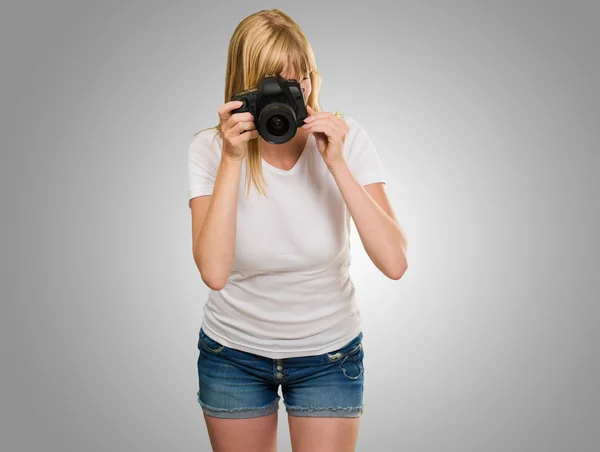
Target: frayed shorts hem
[241, 413]
[324, 411]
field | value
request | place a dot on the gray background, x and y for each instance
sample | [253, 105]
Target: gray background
[485, 116]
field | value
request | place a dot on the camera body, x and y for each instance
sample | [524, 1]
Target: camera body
[278, 107]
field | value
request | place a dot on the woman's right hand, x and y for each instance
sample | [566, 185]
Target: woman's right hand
[236, 129]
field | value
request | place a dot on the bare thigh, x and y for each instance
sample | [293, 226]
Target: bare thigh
[323, 434]
[258, 434]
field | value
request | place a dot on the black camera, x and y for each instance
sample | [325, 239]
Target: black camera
[278, 107]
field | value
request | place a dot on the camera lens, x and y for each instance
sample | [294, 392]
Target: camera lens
[278, 125]
[277, 122]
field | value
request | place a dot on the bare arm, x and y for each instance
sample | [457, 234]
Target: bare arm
[214, 238]
[382, 236]
[214, 217]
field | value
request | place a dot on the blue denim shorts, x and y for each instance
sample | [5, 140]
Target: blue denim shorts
[238, 384]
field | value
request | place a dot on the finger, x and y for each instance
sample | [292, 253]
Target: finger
[244, 137]
[224, 111]
[320, 124]
[239, 117]
[240, 127]
[318, 115]
[329, 132]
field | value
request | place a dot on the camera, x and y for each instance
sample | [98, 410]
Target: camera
[278, 107]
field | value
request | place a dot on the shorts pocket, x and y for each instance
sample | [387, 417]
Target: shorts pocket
[352, 365]
[350, 349]
[208, 344]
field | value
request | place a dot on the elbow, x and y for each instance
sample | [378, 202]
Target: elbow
[212, 281]
[399, 270]
[213, 284]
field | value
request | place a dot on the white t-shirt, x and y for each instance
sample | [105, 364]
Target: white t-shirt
[289, 293]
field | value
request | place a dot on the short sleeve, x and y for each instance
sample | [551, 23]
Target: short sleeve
[204, 158]
[361, 155]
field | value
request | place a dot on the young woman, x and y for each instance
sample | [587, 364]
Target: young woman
[281, 309]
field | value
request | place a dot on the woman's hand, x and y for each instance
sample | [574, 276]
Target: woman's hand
[330, 133]
[237, 129]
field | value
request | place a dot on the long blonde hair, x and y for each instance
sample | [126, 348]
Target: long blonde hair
[261, 45]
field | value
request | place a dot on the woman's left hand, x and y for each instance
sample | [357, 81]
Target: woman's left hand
[330, 134]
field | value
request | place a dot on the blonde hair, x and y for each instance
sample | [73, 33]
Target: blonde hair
[261, 45]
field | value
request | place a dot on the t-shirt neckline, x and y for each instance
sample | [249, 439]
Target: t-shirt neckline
[298, 162]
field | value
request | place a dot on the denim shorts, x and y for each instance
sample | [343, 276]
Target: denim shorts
[238, 384]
